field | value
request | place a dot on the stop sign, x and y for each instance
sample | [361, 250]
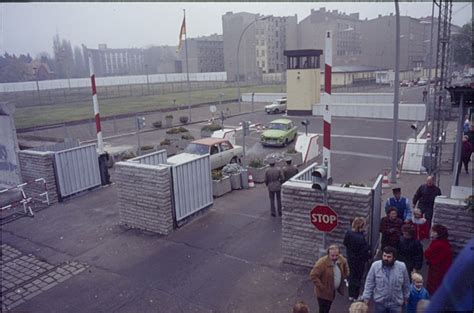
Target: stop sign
[323, 218]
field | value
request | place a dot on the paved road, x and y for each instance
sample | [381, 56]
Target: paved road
[227, 260]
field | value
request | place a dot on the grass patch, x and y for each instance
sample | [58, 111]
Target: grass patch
[59, 113]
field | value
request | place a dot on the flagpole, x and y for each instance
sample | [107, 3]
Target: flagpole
[187, 68]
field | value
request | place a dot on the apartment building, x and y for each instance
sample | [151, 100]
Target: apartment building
[233, 25]
[345, 30]
[162, 60]
[379, 43]
[110, 62]
[205, 54]
[273, 36]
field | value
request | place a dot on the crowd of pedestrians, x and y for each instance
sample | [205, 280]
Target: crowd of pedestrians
[393, 283]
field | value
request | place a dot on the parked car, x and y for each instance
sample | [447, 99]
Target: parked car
[277, 106]
[404, 83]
[221, 151]
[422, 82]
[279, 132]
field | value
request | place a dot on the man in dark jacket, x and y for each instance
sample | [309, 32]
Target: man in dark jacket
[273, 179]
[410, 250]
[466, 151]
[289, 170]
[425, 197]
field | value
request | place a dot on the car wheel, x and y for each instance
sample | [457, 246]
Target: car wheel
[286, 142]
[276, 111]
[234, 160]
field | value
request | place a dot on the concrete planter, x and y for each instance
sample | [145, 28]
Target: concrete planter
[183, 143]
[296, 158]
[170, 149]
[258, 174]
[236, 181]
[168, 122]
[221, 187]
[206, 133]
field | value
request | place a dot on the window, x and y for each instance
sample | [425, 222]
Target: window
[214, 149]
[225, 146]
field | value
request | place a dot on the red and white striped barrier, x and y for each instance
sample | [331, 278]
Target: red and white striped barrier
[327, 109]
[100, 143]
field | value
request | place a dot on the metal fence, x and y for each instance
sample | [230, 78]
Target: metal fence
[77, 169]
[154, 158]
[304, 175]
[376, 214]
[192, 186]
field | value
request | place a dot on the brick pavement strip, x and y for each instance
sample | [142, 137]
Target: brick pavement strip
[25, 276]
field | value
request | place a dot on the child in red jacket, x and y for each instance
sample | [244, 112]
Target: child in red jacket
[422, 229]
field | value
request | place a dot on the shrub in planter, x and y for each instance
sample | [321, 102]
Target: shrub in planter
[157, 124]
[349, 184]
[126, 155]
[169, 120]
[258, 168]
[174, 130]
[207, 130]
[147, 147]
[233, 170]
[220, 183]
[183, 119]
[187, 137]
[165, 142]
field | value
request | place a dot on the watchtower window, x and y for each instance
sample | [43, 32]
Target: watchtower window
[303, 59]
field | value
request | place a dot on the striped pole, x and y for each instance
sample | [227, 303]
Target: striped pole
[327, 109]
[100, 144]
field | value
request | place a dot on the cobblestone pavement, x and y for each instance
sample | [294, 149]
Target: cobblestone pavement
[25, 276]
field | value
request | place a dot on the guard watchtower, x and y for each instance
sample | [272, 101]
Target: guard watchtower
[303, 81]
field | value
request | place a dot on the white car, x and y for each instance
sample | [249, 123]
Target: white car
[222, 151]
[277, 106]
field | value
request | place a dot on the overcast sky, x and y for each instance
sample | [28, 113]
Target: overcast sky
[30, 27]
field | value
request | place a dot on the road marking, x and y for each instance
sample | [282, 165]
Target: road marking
[365, 155]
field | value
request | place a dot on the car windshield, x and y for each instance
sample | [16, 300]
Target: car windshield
[197, 148]
[277, 126]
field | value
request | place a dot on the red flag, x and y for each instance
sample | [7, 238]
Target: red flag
[181, 34]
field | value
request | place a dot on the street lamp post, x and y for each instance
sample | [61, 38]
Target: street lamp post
[35, 69]
[238, 51]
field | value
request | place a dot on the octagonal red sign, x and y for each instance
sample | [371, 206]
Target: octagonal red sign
[323, 218]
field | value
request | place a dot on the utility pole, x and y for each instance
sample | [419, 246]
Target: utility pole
[393, 176]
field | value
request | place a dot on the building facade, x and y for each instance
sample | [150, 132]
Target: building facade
[112, 62]
[345, 30]
[273, 36]
[233, 25]
[162, 60]
[379, 42]
[205, 54]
